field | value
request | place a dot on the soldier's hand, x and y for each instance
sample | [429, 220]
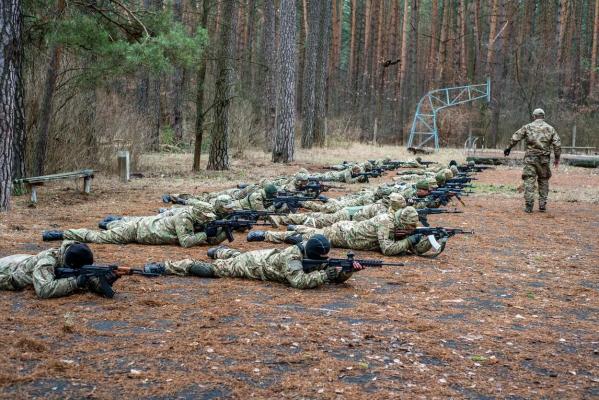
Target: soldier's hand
[506, 152]
[81, 281]
[415, 239]
[332, 273]
[211, 231]
[357, 266]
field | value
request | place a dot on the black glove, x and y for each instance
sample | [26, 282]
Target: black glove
[415, 239]
[211, 231]
[332, 273]
[81, 281]
[155, 268]
[111, 278]
[507, 151]
[323, 198]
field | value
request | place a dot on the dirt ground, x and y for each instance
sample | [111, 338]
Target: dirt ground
[510, 312]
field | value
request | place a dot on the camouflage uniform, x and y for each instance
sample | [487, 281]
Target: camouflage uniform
[375, 234]
[337, 176]
[22, 270]
[257, 201]
[176, 229]
[276, 265]
[540, 137]
[333, 205]
[319, 220]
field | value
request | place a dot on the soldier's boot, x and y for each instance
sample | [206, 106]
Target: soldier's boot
[108, 219]
[48, 236]
[294, 239]
[166, 198]
[274, 220]
[202, 269]
[155, 268]
[162, 210]
[528, 208]
[212, 251]
[542, 206]
[291, 227]
[256, 236]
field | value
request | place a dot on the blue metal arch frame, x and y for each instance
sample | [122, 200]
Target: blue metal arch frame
[424, 126]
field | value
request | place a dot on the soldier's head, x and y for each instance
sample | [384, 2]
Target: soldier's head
[356, 169]
[383, 191]
[432, 183]
[317, 247]
[270, 190]
[419, 159]
[222, 204]
[77, 255]
[422, 188]
[406, 218]
[367, 167]
[202, 212]
[453, 162]
[454, 170]
[448, 174]
[440, 178]
[396, 202]
[538, 113]
[386, 159]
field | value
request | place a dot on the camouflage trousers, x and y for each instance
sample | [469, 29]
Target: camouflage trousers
[306, 233]
[536, 169]
[120, 232]
[182, 267]
[316, 220]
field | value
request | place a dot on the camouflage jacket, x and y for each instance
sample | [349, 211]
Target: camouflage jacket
[276, 265]
[377, 233]
[540, 137]
[175, 229]
[22, 270]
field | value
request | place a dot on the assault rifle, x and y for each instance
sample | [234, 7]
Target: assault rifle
[461, 180]
[295, 202]
[228, 226]
[372, 174]
[102, 272]
[473, 168]
[250, 215]
[346, 264]
[314, 185]
[423, 213]
[438, 232]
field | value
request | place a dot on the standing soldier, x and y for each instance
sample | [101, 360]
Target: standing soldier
[539, 136]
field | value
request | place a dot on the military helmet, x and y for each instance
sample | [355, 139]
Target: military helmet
[422, 185]
[432, 182]
[453, 162]
[447, 172]
[367, 167]
[407, 216]
[77, 255]
[396, 201]
[440, 178]
[317, 247]
[383, 191]
[538, 112]
[386, 159]
[355, 168]
[270, 190]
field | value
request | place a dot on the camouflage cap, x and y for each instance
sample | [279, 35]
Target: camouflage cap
[538, 112]
[422, 185]
[396, 202]
[386, 159]
[409, 216]
[447, 172]
[383, 191]
[223, 203]
[432, 182]
[367, 166]
[202, 211]
[454, 170]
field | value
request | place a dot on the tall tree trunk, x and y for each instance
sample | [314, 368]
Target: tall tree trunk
[223, 90]
[593, 78]
[477, 39]
[285, 137]
[352, 46]
[10, 57]
[200, 80]
[321, 75]
[268, 58]
[309, 75]
[20, 135]
[178, 83]
[403, 68]
[433, 55]
[463, 41]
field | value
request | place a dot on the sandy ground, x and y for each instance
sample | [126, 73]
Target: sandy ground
[510, 312]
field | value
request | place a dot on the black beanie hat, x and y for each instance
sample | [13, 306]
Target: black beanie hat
[77, 255]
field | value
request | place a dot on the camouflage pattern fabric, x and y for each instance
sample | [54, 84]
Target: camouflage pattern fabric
[540, 138]
[375, 234]
[284, 266]
[21, 270]
[255, 201]
[337, 176]
[176, 229]
[334, 205]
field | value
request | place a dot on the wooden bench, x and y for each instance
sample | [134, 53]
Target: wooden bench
[34, 181]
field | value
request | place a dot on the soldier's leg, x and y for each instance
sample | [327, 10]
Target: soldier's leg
[225, 252]
[281, 237]
[328, 219]
[189, 267]
[529, 177]
[294, 219]
[544, 173]
[123, 233]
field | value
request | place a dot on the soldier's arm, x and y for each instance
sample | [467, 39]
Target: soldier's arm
[45, 283]
[391, 247]
[298, 279]
[557, 146]
[517, 136]
[186, 235]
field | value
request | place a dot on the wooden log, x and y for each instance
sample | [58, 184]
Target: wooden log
[123, 163]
